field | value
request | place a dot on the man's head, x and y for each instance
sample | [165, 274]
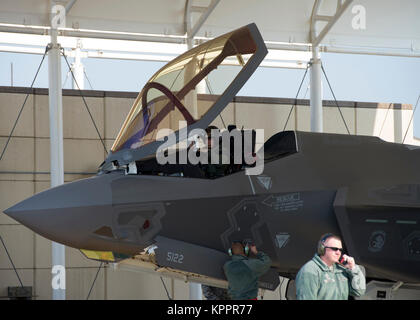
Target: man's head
[239, 249]
[330, 248]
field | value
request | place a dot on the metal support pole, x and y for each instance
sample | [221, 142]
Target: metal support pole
[56, 150]
[195, 291]
[316, 92]
[78, 69]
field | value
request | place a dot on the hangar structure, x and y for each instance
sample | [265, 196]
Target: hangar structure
[295, 32]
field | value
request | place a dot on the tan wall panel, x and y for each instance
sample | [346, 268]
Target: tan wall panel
[116, 110]
[203, 106]
[391, 125]
[228, 115]
[42, 156]
[181, 290]
[79, 155]
[135, 285]
[77, 122]
[11, 104]
[409, 138]
[45, 181]
[404, 129]
[42, 284]
[333, 122]
[303, 118]
[17, 176]
[42, 116]
[19, 155]
[43, 252]
[19, 241]
[82, 155]
[375, 122]
[79, 281]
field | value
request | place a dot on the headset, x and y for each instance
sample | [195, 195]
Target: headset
[321, 246]
[245, 245]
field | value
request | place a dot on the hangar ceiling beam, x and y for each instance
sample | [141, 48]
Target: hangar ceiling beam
[191, 30]
[69, 5]
[331, 20]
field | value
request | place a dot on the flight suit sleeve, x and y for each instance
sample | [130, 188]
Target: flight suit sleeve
[357, 281]
[307, 285]
[261, 264]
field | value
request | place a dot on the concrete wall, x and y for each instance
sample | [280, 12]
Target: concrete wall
[24, 171]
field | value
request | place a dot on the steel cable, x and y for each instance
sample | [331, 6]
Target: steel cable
[345, 124]
[23, 105]
[84, 101]
[297, 94]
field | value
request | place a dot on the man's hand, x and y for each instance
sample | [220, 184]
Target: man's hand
[350, 262]
[253, 249]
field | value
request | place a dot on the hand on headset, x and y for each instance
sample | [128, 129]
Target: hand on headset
[253, 249]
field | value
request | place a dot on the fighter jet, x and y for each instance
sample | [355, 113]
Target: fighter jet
[359, 187]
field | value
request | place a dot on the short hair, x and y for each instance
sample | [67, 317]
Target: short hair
[327, 236]
[237, 248]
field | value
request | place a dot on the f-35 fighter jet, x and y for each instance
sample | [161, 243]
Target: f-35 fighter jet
[359, 187]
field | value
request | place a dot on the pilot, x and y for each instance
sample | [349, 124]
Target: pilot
[243, 272]
[214, 170]
[330, 275]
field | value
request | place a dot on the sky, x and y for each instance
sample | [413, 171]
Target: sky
[366, 78]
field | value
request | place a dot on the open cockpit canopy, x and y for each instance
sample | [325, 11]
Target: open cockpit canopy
[169, 99]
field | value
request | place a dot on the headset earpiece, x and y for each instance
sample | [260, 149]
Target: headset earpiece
[246, 250]
[321, 246]
[244, 245]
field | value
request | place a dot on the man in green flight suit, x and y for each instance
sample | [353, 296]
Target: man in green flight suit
[242, 272]
[218, 168]
[330, 275]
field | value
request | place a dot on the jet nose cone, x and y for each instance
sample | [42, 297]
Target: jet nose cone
[13, 212]
[67, 213]
[20, 210]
